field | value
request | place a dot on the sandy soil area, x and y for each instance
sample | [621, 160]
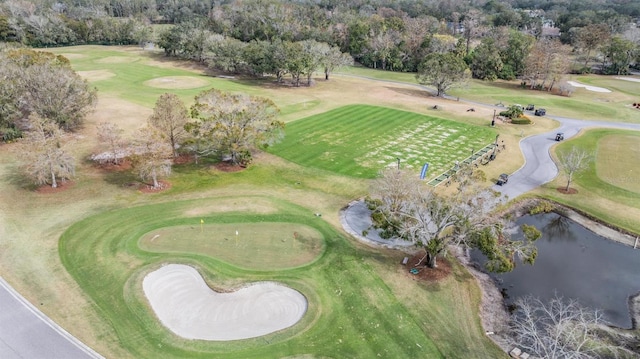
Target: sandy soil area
[188, 307]
[587, 87]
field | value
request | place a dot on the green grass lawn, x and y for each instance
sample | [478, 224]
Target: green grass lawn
[613, 106]
[608, 188]
[360, 140]
[352, 312]
[131, 70]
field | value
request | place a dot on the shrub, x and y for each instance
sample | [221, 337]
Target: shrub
[542, 207]
[514, 111]
[10, 134]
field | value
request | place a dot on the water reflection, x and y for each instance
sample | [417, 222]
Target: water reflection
[576, 263]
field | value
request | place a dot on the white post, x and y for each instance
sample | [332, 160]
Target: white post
[635, 244]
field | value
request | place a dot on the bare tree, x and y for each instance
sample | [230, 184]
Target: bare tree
[546, 63]
[151, 155]
[169, 116]
[473, 26]
[43, 153]
[560, 328]
[333, 58]
[572, 162]
[111, 136]
[404, 206]
[589, 38]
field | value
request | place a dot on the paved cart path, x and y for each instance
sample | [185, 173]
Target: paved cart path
[25, 332]
[539, 168]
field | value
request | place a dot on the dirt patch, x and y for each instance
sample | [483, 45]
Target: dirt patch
[62, 186]
[443, 269]
[177, 82]
[564, 190]
[228, 167]
[148, 188]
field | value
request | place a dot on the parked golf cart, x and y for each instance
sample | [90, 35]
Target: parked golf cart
[540, 112]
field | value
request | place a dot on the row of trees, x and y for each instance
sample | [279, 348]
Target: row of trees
[276, 58]
[388, 35]
[230, 126]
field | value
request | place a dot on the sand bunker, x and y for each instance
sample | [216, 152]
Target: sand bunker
[587, 87]
[188, 307]
[628, 79]
[177, 82]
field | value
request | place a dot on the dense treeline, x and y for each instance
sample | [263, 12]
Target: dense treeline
[496, 39]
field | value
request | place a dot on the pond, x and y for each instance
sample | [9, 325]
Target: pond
[576, 263]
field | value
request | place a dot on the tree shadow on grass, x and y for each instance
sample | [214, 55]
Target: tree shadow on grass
[423, 93]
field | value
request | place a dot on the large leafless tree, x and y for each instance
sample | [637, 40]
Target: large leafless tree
[152, 156]
[45, 159]
[110, 135]
[169, 117]
[573, 162]
[559, 328]
[405, 206]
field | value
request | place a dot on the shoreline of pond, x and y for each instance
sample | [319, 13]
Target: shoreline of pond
[494, 314]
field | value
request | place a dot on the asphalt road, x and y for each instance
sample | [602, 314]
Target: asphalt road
[25, 332]
[539, 168]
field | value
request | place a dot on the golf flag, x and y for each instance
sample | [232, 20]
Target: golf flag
[201, 221]
[423, 174]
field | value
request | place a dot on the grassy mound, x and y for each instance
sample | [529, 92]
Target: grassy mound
[360, 140]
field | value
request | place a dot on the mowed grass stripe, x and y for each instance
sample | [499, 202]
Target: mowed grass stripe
[360, 140]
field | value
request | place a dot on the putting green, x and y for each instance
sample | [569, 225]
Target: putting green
[271, 245]
[617, 161]
[351, 312]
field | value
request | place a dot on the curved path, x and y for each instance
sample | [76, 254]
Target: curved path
[539, 168]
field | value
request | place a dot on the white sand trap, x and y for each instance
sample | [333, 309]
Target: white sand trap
[188, 307]
[96, 75]
[629, 79]
[587, 87]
